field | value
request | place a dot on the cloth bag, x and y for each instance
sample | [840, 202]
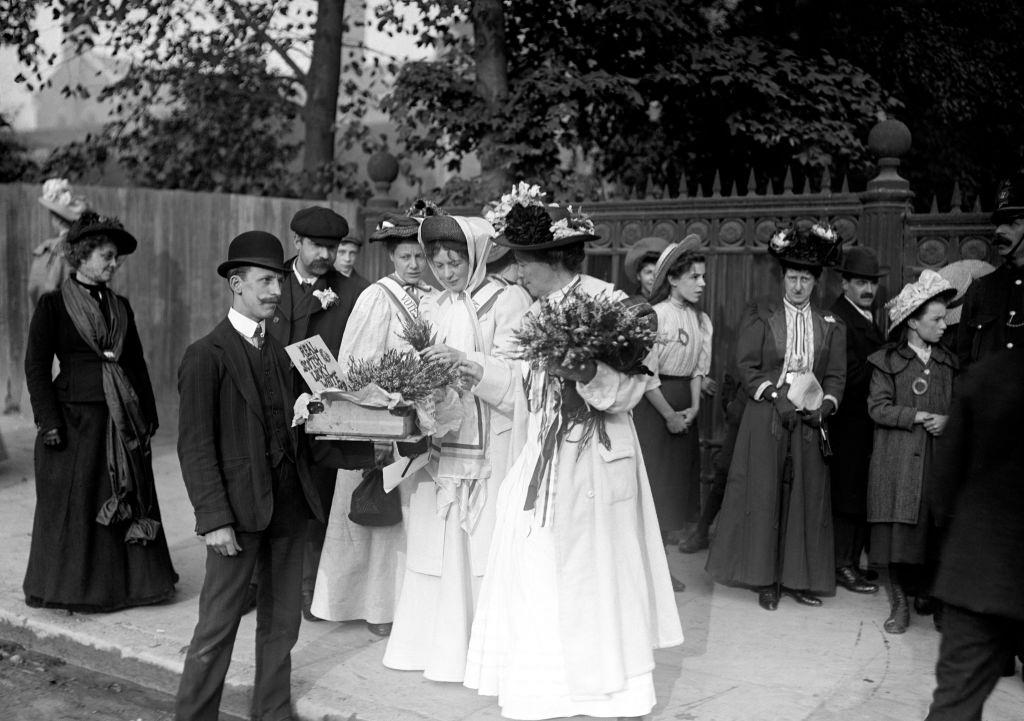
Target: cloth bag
[371, 505]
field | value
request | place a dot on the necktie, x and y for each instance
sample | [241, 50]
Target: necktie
[257, 336]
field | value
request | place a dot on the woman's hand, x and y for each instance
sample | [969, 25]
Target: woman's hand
[52, 438]
[920, 418]
[581, 373]
[470, 372]
[223, 541]
[676, 423]
[708, 386]
[936, 424]
[442, 352]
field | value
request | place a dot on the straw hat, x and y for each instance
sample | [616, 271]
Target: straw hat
[960, 275]
[929, 286]
[644, 247]
[669, 256]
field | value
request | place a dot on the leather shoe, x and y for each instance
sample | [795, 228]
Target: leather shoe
[379, 629]
[848, 578]
[677, 585]
[768, 598]
[696, 541]
[924, 605]
[803, 597]
[867, 574]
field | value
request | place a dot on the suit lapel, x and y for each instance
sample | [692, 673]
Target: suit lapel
[230, 343]
[821, 328]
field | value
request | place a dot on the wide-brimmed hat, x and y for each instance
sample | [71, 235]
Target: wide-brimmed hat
[689, 245]
[810, 247]
[254, 247]
[544, 227]
[397, 227]
[59, 198]
[861, 262]
[650, 246]
[1010, 200]
[928, 287]
[960, 275]
[319, 224]
[89, 225]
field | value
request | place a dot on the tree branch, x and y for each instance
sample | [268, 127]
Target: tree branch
[282, 51]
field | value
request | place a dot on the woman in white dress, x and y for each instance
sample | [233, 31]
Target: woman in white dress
[450, 515]
[359, 569]
[577, 590]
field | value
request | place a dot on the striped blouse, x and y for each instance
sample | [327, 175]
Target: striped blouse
[685, 341]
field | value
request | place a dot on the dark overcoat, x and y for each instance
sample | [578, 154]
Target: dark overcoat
[222, 439]
[300, 315]
[902, 449]
[986, 309]
[851, 427]
[745, 547]
[980, 481]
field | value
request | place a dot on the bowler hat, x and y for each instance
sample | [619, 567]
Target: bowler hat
[319, 224]
[254, 247]
[651, 246]
[544, 227]
[1010, 201]
[89, 224]
[688, 245]
[860, 262]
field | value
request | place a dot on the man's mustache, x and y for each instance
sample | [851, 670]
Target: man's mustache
[274, 299]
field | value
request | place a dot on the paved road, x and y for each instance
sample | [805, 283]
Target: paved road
[739, 663]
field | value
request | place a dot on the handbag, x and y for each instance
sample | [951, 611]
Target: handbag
[371, 505]
[824, 443]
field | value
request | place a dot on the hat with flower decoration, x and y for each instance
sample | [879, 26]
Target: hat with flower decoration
[405, 226]
[929, 286]
[59, 198]
[811, 247]
[89, 224]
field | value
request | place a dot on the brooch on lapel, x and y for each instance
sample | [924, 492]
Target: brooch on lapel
[327, 298]
[829, 318]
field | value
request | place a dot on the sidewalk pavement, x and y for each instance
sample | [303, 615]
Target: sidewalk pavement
[739, 663]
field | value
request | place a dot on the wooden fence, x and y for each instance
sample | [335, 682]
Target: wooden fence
[177, 296]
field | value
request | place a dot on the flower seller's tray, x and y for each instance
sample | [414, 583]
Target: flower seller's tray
[342, 419]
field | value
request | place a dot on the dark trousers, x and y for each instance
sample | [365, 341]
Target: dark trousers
[851, 535]
[278, 616]
[971, 656]
[315, 533]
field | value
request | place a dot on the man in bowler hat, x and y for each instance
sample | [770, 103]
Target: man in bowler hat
[317, 300]
[249, 484]
[852, 428]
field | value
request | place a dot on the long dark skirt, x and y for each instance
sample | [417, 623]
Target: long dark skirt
[74, 562]
[673, 461]
[745, 547]
[911, 543]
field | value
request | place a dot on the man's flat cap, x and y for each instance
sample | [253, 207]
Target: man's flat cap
[320, 224]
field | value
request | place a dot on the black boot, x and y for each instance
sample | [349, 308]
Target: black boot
[899, 615]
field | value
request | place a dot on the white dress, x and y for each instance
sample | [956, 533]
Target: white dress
[451, 511]
[570, 611]
[359, 573]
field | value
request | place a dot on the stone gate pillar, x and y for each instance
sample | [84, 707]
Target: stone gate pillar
[886, 204]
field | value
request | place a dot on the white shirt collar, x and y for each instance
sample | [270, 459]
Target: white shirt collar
[299, 277]
[866, 314]
[924, 354]
[805, 309]
[244, 325]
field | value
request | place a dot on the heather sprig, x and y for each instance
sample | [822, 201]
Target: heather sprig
[418, 333]
[402, 372]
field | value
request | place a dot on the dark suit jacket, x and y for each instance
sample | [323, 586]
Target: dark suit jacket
[53, 333]
[979, 477]
[761, 347]
[982, 327]
[851, 426]
[300, 314]
[222, 444]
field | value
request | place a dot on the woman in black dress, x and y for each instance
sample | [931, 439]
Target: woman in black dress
[97, 541]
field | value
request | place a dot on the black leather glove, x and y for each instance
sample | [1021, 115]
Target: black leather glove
[53, 439]
[815, 419]
[786, 410]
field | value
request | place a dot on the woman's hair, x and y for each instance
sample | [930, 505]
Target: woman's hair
[496, 266]
[77, 253]
[436, 246]
[570, 256]
[683, 264]
[815, 271]
[648, 259]
[391, 244]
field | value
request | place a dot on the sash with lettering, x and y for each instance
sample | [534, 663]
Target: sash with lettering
[404, 303]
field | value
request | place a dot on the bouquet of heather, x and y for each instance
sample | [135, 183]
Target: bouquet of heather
[379, 396]
[583, 328]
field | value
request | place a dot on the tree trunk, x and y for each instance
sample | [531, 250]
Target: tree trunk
[488, 18]
[322, 83]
